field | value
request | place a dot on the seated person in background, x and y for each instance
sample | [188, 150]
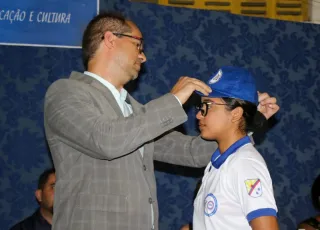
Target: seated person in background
[313, 223]
[236, 191]
[42, 218]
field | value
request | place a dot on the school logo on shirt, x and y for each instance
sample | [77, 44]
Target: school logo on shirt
[210, 205]
[254, 187]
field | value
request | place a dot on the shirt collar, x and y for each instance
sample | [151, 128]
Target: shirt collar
[122, 95]
[218, 159]
[41, 219]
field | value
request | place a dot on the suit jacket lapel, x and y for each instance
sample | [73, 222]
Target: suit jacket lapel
[136, 106]
[99, 86]
[149, 146]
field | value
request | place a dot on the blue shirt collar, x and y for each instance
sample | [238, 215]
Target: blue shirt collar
[218, 159]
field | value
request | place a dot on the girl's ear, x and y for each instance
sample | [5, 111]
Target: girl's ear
[236, 114]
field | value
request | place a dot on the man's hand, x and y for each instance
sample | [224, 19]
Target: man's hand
[186, 86]
[267, 105]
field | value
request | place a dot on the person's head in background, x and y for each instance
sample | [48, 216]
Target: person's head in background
[228, 112]
[112, 47]
[45, 193]
[313, 223]
[315, 194]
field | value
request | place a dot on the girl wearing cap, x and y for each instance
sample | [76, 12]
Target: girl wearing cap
[236, 191]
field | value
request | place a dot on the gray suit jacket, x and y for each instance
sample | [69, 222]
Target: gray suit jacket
[103, 182]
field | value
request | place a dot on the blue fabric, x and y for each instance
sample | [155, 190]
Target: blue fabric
[45, 22]
[261, 212]
[233, 82]
[217, 160]
[283, 56]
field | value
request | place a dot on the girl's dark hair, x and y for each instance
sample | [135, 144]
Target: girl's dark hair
[253, 119]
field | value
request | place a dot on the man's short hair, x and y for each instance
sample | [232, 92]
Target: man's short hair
[43, 179]
[93, 34]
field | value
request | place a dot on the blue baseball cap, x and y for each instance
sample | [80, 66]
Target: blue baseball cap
[233, 82]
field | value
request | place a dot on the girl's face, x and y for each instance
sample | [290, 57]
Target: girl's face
[214, 118]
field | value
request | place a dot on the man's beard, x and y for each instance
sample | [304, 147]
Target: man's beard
[134, 77]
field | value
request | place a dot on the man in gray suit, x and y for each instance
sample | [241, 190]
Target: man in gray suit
[102, 140]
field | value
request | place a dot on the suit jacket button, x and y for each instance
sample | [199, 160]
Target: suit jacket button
[150, 200]
[144, 168]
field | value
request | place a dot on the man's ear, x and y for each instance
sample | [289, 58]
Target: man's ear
[38, 194]
[108, 39]
[236, 114]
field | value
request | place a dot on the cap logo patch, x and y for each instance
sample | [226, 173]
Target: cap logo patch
[216, 78]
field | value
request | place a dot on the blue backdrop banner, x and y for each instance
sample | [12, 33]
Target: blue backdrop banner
[45, 22]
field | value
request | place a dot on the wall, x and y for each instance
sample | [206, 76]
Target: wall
[284, 57]
[314, 11]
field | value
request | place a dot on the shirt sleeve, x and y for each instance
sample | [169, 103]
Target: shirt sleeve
[177, 99]
[253, 189]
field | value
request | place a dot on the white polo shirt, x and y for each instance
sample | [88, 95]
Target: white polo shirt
[236, 188]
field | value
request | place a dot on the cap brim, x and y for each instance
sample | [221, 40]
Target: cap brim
[213, 94]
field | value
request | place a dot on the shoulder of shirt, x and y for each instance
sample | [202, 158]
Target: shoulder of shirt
[27, 223]
[244, 154]
[68, 81]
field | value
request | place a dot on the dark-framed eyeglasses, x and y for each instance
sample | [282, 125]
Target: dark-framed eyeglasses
[139, 46]
[204, 106]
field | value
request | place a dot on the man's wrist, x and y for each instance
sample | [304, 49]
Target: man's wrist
[177, 99]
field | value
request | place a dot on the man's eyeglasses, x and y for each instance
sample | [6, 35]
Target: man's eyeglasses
[205, 106]
[139, 46]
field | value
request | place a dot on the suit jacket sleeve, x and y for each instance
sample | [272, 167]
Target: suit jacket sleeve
[72, 115]
[179, 149]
